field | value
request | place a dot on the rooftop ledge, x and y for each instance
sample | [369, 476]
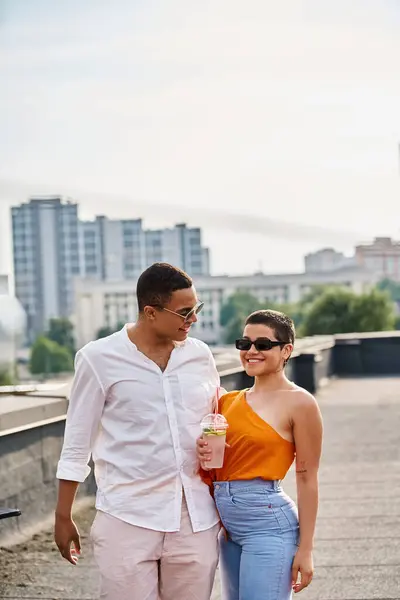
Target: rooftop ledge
[28, 406]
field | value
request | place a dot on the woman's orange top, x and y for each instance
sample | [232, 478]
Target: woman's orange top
[255, 449]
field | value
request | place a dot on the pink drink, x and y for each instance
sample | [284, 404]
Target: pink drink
[214, 428]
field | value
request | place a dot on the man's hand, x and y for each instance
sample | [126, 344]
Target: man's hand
[67, 538]
[303, 564]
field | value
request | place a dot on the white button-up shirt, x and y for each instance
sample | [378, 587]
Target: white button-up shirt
[140, 425]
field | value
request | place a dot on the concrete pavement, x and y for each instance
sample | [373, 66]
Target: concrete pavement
[357, 554]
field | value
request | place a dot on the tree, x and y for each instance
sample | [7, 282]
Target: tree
[342, 311]
[234, 312]
[315, 292]
[105, 331]
[393, 289]
[6, 378]
[374, 311]
[390, 286]
[49, 357]
[61, 331]
[241, 304]
[234, 329]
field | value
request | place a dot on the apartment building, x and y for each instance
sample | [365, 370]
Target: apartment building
[46, 258]
[52, 247]
[112, 249]
[381, 256]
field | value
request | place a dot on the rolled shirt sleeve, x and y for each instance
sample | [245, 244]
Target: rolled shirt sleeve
[85, 408]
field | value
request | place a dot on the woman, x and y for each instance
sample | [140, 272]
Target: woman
[266, 549]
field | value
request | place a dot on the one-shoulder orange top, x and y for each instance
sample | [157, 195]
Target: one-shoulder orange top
[255, 449]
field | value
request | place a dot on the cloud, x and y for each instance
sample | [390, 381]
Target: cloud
[212, 219]
[283, 108]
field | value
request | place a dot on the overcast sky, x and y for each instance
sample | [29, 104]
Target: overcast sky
[285, 112]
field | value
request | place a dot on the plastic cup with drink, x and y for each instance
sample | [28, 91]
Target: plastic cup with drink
[214, 428]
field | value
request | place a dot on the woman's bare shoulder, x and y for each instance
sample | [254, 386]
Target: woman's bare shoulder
[302, 398]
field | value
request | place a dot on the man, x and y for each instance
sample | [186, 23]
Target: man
[136, 404]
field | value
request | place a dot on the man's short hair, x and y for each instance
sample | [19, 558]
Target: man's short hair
[156, 285]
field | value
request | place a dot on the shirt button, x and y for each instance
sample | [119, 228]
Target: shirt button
[217, 487]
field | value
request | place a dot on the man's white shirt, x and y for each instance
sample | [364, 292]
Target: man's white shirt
[141, 425]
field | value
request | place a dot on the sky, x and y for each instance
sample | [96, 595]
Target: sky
[273, 125]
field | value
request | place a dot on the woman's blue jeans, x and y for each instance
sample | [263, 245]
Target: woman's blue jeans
[263, 532]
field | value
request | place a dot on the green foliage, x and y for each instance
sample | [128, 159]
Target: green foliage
[61, 331]
[234, 312]
[48, 357]
[392, 287]
[6, 378]
[374, 311]
[315, 292]
[296, 311]
[106, 330]
[239, 304]
[234, 329]
[323, 310]
[342, 311]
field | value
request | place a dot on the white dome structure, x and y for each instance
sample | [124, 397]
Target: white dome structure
[12, 329]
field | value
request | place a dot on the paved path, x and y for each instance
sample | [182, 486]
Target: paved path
[357, 552]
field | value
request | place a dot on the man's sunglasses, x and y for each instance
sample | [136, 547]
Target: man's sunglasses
[194, 311]
[260, 344]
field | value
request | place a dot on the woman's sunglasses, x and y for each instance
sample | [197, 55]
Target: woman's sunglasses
[260, 344]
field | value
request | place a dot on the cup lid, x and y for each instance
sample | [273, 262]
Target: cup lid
[214, 421]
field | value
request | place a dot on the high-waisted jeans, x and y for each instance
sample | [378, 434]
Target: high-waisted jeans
[263, 533]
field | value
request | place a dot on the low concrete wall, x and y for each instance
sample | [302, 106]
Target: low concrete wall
[28, 461]
[31, 437]
[30, 451]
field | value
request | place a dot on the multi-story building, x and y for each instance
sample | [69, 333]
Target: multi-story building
[180, 246]
[46, 258]
[51, 247]
[112, 249]
[327, 259]
[382, 257]
[102, 303]
[162, 245]
[12, 327]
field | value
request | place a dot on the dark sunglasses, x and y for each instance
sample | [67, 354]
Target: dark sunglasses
[260, 344]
